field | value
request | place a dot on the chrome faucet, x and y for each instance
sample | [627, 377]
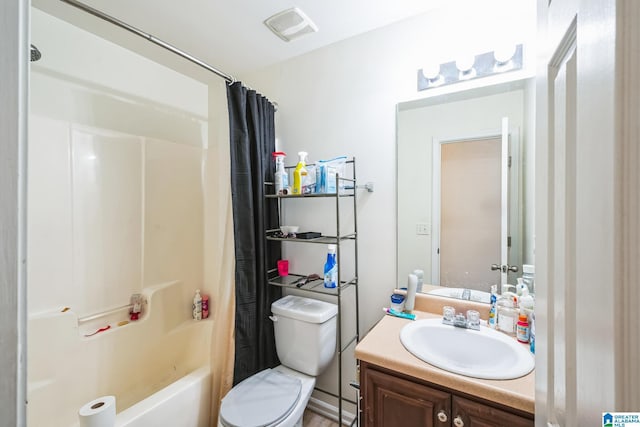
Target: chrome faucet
[471, 321]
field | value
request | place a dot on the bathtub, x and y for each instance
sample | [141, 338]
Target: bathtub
[184, 403]
[158, 368]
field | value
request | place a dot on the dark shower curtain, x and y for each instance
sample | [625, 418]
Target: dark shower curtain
[252, 132]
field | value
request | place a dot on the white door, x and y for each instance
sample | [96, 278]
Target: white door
[587, 211]
[471, 210]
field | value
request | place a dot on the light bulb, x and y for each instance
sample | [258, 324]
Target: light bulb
[431, 71]
[465, 63]
[503, 54]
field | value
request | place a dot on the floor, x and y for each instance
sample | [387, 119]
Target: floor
[311, 419]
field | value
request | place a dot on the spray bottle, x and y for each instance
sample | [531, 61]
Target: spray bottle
[299, 172]
[281, 176]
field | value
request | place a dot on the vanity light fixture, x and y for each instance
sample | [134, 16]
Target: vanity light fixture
[471, 67]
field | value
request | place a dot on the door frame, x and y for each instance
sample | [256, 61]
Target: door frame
[514, 192]
[14, 68]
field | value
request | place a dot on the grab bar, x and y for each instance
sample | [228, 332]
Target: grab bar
[104, 313]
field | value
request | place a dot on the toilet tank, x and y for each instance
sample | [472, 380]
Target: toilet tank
[305, 332]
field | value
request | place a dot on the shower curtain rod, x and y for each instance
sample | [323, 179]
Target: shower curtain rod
[95, 12]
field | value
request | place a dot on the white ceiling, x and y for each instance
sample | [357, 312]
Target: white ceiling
[230, 35]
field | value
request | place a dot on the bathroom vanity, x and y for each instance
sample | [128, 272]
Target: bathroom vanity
[398, 389]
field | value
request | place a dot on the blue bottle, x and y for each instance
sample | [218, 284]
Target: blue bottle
[532, 334]
[331, 268]
[493, 311]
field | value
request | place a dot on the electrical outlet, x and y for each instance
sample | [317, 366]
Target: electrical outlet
[423, 229]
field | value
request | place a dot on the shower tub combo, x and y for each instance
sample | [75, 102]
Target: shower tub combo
[158, 368]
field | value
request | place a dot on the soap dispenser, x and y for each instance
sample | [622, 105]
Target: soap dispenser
[526, 301]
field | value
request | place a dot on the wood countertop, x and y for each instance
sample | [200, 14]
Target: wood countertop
[382, 347]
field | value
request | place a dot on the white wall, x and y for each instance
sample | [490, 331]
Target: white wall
[342, 99]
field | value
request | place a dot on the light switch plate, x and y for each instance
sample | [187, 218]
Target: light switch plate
[423, 229]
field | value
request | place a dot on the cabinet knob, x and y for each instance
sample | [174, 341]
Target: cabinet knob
[442, 416]
[457, 421]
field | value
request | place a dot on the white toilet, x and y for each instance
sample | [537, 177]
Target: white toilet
[305, 334]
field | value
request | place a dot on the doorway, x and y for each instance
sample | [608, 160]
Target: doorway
[476, 209]
[470, 212]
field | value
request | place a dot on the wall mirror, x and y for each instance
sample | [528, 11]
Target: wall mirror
[465, 189]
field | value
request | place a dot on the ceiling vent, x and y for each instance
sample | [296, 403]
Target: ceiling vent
[290, 24]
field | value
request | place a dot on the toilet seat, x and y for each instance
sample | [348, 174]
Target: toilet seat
[261, 400]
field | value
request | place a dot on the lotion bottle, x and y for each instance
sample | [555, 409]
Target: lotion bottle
[412, 286]
[420, 275]
[197, 306]
[526, 301]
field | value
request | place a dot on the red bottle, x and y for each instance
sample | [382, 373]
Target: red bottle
[522, 329]
[205, 306]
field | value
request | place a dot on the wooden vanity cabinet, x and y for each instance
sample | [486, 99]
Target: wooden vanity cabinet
[476, 414]
[393, 400]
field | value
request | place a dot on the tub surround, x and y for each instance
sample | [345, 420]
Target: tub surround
[130, 362]
[382, 347]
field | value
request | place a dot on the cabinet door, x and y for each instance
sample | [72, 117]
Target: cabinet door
[390, 401]
[466, 413]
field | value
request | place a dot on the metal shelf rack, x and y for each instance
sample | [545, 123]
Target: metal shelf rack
[292, 281]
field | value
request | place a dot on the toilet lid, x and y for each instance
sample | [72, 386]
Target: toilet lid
[260, 400]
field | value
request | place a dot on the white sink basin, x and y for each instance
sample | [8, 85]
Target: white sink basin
[485, 354]
[472, 295]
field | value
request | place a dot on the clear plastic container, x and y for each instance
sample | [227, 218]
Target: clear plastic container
[507, 315]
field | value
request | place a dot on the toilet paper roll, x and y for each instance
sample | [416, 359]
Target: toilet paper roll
[100, 412]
